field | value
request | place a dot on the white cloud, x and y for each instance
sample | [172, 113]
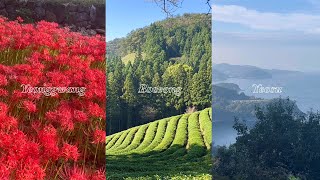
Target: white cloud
[307, 23]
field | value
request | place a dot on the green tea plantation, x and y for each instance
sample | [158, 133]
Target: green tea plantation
[178, 147]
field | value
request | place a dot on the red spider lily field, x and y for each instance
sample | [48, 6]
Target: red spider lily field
[51, 135]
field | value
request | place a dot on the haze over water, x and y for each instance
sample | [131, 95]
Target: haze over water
[270, 35]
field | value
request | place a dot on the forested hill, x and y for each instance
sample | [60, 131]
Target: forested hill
[176, 35]
[175, 52]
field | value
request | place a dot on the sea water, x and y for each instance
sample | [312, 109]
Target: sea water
[304, 88]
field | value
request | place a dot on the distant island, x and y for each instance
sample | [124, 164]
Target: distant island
[231, 86]
[229, 103]
[225, 71]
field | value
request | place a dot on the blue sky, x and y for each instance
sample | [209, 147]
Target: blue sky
[282, 34]
[123, 16]
[281, 6]
[270, 34]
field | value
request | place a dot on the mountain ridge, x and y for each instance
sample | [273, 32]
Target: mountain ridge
[225, 71]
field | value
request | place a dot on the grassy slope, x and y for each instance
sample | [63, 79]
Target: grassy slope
[130, 57]
[178, 147]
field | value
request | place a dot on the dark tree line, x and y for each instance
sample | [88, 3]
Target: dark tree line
[172, 53]
[280, 146]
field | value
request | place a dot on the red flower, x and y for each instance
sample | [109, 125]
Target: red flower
[4, 172]
[3, 92]
[49, 140]
[80, 116]
[95, 110]
[99, 136]
[3, 80]
[7, 122]
[70, 152]
[99, 175]
[30, 170]
[29, 106]
[45, 55]
[3, 109]
[75, 173]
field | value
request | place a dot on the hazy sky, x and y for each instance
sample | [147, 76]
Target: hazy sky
[123, 16]
[270, 34]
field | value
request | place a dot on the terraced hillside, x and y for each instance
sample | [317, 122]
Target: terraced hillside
[172, 148]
